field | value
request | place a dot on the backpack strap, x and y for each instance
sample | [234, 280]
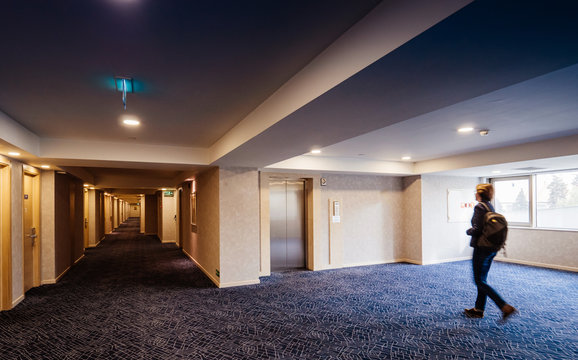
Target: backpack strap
[486, 206]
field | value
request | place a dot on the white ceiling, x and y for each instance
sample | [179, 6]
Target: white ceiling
[261, 83]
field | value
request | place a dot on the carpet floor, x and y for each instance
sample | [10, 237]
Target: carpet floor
[135, 298]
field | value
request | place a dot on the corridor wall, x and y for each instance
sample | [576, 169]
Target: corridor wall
[17, 232]
[151, 222]
[69, 243]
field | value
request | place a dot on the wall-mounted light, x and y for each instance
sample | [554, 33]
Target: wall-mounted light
[405, 158]
[45, 166]
[316, 151]
[14, 153]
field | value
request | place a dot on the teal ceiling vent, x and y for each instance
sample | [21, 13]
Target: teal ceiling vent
[125, 85]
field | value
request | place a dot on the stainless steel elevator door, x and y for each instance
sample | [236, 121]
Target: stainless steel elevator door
[287, 218]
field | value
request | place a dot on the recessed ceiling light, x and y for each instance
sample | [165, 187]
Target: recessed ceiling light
[406, 158]
[14, 153]
[131, 122]
[316, 151]
[466, 129]
[45, 166]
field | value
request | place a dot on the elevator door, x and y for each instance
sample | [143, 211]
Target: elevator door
[287, 216]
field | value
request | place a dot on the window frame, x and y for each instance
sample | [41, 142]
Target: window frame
[533, 215]
[530, 178]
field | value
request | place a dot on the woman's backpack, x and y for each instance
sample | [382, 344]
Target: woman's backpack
[494, 232]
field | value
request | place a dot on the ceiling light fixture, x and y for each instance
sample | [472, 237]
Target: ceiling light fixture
[131, 122]
[14, 153]
[45, 166]
[465, 129]
[316, 151]
[406, 158]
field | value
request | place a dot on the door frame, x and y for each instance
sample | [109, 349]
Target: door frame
[35, 174]
[5, 237]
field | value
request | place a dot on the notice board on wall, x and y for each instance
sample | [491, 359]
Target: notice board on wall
[461, 204]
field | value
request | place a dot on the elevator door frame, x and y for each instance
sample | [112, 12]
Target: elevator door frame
[293, 250]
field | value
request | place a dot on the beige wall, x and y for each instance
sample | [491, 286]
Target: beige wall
[411, 249]
[205, 241]
[17, 248]
[239, 226]
[443, 240]
[47, 227]
[549, 248]
[369, 231]
[134, 210]
[370, 226]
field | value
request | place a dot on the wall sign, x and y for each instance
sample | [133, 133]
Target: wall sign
[460, 205]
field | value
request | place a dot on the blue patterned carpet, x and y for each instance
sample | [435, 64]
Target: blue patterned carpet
[133, 298]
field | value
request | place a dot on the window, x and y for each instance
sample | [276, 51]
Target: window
[545, 200]
[512, 199]
[557, 200]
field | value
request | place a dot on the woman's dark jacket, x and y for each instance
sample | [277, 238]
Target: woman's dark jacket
[478, 222]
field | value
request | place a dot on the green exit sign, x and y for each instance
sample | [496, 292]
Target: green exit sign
[169, 193]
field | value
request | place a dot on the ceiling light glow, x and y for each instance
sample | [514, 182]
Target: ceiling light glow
[45, 166]
[316, 151]
[465, 129]
[406, 158]
[131, 122]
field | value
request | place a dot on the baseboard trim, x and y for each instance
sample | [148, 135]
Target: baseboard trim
[61, 275]
[240, 283]
[77, 260]
[18, 301]
[409, 261]
[370, 263]
[209, 275]
[537, 264]
[446, 260]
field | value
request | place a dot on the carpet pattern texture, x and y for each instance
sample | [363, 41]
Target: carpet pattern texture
[135, 298]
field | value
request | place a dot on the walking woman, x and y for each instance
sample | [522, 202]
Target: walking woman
[483, 257]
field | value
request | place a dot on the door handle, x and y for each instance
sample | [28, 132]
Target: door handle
[33, 236]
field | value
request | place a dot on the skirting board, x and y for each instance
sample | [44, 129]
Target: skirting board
[54, 281]
[217, 281]
[77, 260]
[213, 279]
[447, 260]
[17, 301]
[240, 283]
[531, 263]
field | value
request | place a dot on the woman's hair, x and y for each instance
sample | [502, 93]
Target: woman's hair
[486, 191]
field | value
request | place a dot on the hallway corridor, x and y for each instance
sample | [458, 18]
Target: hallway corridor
[133, 297]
